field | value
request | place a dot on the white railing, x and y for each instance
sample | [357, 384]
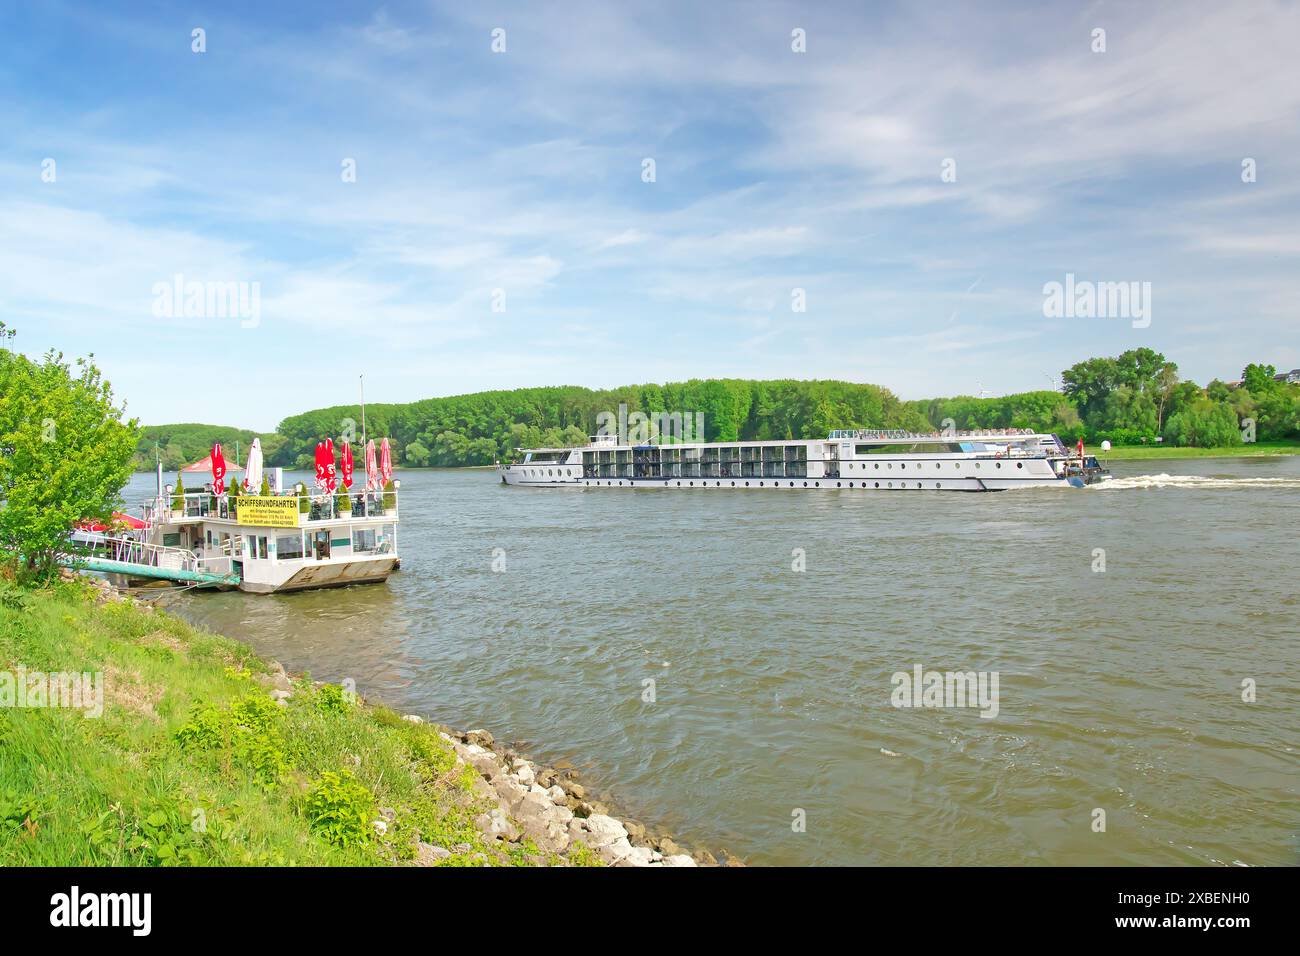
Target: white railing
[895, 434]
[311, 507]
[148, 554]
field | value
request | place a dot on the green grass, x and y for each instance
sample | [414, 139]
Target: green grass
[193, 763]
[1254, 449]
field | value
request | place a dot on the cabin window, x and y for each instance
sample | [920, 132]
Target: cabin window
[363, 539]
[289, 546]
[909, 448]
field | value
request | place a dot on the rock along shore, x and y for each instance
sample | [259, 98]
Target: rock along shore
[527, 800]
[550, 807]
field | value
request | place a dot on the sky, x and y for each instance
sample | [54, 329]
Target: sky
[452, 197]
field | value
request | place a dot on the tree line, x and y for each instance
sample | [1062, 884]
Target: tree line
[1138, 398]
[1134, 398]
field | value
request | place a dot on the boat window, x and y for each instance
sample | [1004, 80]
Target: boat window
[363, 539]
[909, 448]
[289, 546]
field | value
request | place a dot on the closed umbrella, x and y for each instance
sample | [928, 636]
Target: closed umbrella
[253, 472]
[218, 470]
[372, 467]
[320, 464]
[385, 462]
[345, 465]
[331, 470]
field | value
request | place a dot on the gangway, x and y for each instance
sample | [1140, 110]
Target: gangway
[143, 559]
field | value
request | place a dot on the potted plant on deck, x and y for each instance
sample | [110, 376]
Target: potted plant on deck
[343, 505]
[231, 495]
[390, 498]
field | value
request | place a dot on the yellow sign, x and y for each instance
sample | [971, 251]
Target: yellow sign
[269, 512]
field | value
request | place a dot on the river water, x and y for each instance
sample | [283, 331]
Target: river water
[1118, 690]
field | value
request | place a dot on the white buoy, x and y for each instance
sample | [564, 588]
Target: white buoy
[1105, 446]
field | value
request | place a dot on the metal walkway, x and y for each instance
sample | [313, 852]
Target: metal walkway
[142, 559]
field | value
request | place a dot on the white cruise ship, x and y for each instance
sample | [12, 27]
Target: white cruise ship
[870, 459]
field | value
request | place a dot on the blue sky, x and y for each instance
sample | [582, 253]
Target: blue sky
[521, 172]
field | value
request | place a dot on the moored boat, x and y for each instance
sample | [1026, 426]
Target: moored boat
[274, 541]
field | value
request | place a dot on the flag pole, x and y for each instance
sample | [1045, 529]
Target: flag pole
[363, 409]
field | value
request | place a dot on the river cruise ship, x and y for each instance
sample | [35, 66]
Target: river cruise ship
[866, 459]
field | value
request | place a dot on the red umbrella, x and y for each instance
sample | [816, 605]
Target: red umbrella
[218, 470]
[331, 472]
[385, 462]
[345, 465]
[119, 520]
[320, 464]
[372, 469]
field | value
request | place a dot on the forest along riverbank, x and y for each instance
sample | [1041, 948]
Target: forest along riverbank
[255, 766]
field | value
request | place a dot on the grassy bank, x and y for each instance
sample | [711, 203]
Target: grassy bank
[1256, 449]
[194, 761]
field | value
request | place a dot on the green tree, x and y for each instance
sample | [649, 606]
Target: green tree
[416, 454]
[65, 454]
[1205, 424]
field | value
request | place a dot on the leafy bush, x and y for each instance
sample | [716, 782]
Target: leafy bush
[333, 699]
[178, 499]
[247, 731]
[20, 810]
[340, 810]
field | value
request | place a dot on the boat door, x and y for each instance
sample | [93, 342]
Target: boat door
[321, 546]
[832, 458]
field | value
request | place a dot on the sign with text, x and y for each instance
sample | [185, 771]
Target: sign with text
[267, 511]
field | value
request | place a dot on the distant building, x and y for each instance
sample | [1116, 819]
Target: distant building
[1291, 378]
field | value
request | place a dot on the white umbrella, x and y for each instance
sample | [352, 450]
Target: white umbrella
[253, 469]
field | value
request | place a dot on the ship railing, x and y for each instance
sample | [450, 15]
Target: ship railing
[129, 550]
[897, 434]
[320, 506]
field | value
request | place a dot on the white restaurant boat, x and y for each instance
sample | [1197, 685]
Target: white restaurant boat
[283, 542]
[268, 544]
[872, 459]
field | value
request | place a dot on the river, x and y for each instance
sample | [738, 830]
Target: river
[1118, 690]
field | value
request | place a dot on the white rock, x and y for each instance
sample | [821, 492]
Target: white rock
[601, 823]
[380, 826]
[557, 795]
[413, 718]
[524, 771]
[640, 856]
[681, 859]
[617, 850]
